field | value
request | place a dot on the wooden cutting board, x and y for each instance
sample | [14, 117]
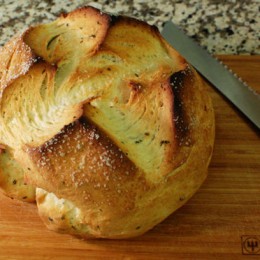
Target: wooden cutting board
[213, 224]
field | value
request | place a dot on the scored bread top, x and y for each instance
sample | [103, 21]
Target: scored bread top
[113, 71]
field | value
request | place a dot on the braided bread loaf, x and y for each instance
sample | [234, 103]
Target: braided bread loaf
[109, 123]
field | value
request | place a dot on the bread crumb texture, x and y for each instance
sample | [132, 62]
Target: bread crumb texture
[105, 121]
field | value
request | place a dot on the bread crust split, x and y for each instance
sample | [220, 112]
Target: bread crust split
[118, 129]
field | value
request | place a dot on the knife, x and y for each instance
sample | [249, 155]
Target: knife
[239, 93]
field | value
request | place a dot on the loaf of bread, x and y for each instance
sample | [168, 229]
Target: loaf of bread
[110, 125]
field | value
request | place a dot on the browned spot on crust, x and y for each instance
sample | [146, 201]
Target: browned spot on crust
[180, 116]
[81, 158]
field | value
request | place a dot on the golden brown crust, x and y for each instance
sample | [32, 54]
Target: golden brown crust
[115, 137]
[79, 32]
[16, 59]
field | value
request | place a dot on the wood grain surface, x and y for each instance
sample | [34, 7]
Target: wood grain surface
[210, 226]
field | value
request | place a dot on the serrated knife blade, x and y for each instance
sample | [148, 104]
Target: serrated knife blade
[241, 95]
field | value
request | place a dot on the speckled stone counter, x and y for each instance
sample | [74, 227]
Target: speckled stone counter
[223, 27]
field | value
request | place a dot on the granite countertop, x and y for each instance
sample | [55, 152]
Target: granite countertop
[223, 27]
